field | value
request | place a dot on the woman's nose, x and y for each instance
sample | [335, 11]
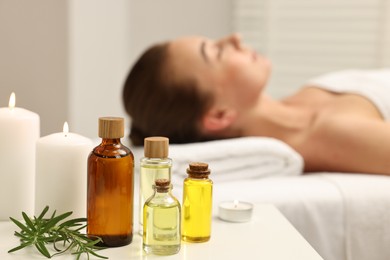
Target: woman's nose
[235, 39]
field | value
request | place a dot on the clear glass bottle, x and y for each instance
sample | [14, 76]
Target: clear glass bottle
[161, 220]
[197, 204]
[110, 188]
[155, 165]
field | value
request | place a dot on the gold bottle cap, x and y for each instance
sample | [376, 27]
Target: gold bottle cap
[156, 147]
[198, 169]
[111, 127]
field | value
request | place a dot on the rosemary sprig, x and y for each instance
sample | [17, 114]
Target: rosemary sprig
[40, 231]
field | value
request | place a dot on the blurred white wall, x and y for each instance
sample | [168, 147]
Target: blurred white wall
[67, 60]
[153, 20]
[386, 36]
[99, 48]
[33, 58]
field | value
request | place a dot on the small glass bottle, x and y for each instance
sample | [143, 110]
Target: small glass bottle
[161, 220]
[155, 165]
[110, 190]
[197, 204]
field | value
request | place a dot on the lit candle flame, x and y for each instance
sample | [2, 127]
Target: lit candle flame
[12, 101]
[65, 129]
[235, 202]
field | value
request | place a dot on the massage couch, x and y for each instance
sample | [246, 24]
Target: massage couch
[343, 216]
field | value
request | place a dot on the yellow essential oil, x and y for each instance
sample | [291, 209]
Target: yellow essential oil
[161, 221]
[197, 204]
[155, 165]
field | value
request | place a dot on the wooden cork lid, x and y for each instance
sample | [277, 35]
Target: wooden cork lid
[198, 169]
[162, 185]
[156, 147]
[111, 127]
[162, 182]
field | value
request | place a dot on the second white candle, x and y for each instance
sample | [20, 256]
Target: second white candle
[61, 172]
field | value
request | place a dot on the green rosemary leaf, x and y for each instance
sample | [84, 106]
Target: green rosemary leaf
[80, 228]
[92, 243]
[28, 221]
[97, 255]
[22, 237]
[53, 221]
[73, 222]
[54, 214]
[21, 226]
[19, 247]
[85, 238]
[42, 248]
[78, 256]
[45, 210]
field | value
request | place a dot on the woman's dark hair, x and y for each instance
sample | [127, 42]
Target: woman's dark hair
[159, 104]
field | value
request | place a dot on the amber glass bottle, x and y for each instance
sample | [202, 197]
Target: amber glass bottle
[110, 190]
[197, 204]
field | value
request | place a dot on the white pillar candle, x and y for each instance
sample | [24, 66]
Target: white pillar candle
[19, 130]
[61, 173]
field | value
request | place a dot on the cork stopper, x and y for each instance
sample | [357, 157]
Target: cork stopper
[156, 147]
[162, 185]
[111, 127]
[198, 170]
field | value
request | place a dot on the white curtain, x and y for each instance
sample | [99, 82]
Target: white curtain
[305, 38]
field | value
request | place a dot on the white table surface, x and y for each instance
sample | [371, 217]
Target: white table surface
[267, 236]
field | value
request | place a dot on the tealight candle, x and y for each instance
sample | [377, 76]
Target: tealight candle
[235, 211]
[61, 173]
[19, 130]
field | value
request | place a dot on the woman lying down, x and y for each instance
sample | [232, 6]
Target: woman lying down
[195, 89]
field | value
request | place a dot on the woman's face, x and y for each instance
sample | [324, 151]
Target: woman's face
[234, 73]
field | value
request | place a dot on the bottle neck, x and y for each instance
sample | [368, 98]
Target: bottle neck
[162, 191]
[111, 141]
[111, 148]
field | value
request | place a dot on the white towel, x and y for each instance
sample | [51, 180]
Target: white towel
[371, 84]
[238, 158]
[234, 159]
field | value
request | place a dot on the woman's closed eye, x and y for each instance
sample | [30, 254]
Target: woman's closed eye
[212, 51]
[220, 52]
[218, 48]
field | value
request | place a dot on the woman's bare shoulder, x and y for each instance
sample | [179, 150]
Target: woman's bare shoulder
[310, 97]
[330, 104]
